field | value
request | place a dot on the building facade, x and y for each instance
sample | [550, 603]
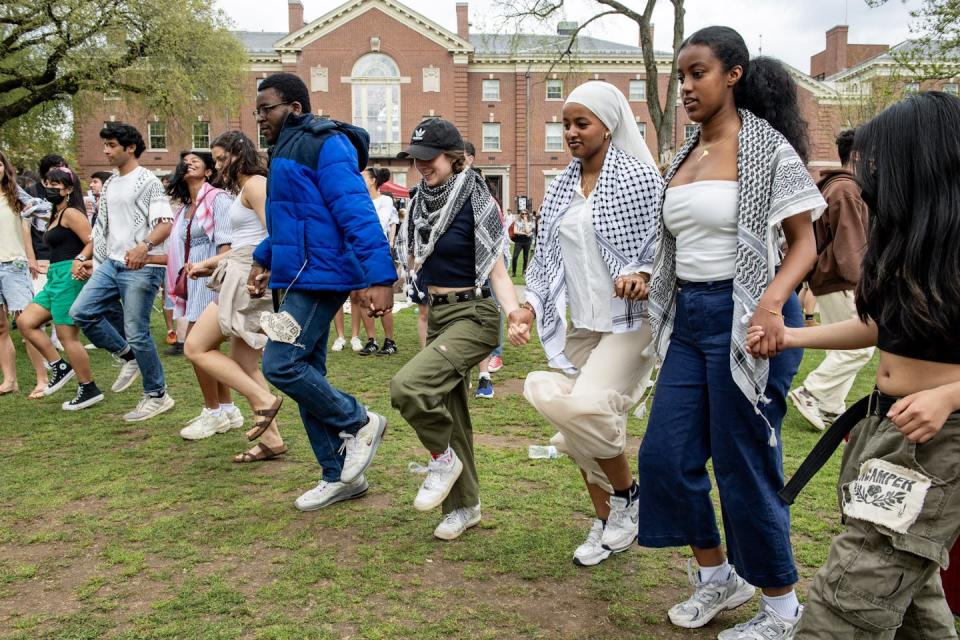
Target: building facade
[384, 67]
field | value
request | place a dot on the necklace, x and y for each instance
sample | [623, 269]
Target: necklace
[587, 190]
[706, 148]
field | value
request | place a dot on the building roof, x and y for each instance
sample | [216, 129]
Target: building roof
[532, 44]
[259, 41]
[910, 49]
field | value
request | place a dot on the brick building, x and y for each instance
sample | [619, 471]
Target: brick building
[380, 65]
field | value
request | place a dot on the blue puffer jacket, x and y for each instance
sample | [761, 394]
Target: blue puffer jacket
[321, 220]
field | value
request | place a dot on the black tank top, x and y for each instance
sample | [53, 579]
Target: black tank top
[64, 244]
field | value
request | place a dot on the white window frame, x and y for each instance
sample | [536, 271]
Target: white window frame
[643, 91]
[364, 87]
[547, 136]
[194, 136]
[689, 130]
[554, 83]
[490, 82]
[952, 88]
[911, 87]
[151, 135]
[642, 126]
[490, 126]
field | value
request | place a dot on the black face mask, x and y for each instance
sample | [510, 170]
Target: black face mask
[53, 196]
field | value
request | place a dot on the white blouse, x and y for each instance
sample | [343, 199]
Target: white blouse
[589, 284]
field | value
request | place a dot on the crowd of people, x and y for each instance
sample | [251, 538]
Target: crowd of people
[694, 270]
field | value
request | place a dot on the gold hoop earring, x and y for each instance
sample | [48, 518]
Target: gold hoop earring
[606, 136]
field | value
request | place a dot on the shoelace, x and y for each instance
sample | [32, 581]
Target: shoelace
[756, 621]
[434, 466]
[349, 442]
[454, 518]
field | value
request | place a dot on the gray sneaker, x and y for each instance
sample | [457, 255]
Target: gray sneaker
[591, 552]
[709, 599]
[129, 371]
[150, 407]
[766, 625]
[361, 448]
[328, 493]
[808, 406]
[457, 521]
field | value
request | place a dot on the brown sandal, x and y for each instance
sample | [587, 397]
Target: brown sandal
[265, 453]
[268, 416]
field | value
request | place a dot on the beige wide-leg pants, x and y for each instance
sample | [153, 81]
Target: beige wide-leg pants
[590, 409]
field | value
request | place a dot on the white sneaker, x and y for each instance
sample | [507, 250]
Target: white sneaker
[355, 344]
[808, 406]
[709, 599]
[235, 416]
[591, 552]
[621, 529]
[149, 407]
[338, 344]
[206, 425]
[90, 347]
[457, 521]
[361, 447]
[766, 625]
[327, 493]
[441, 476]
[129, 371]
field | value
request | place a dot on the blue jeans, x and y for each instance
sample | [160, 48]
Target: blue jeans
[111, 283]
[300, 371]
[699, 413]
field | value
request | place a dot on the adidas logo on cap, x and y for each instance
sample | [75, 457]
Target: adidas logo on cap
[418, 135]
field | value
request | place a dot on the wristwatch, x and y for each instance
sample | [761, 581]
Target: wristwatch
[149, 244]
[81, 258]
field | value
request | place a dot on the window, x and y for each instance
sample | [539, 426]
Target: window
[548, 179]
[689, 131]
[259, 82]
[554, 136]
[951, 88]
[912, 87]
[638, 90]
[554, 89]
[201, 135]
[643, 129]
[491, 136]
[399, 178]
[112, 94]
[491, 90]
[376, 101]
[262, 141]
[157, 136]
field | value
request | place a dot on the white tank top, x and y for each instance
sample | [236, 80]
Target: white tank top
[702, 216]
[246, 226]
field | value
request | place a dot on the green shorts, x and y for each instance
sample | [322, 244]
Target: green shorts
[61, 290]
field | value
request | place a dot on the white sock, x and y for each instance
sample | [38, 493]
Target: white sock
[211, 412]
[227, 406]
[786, 605]
[720, 573]
[484, 374]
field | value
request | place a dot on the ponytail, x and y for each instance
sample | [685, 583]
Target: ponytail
[380, 175]
[765, 88]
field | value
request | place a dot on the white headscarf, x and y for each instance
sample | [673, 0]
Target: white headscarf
[610, 105]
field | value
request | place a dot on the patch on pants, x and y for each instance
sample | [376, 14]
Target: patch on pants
[280, 327]
[886, 494]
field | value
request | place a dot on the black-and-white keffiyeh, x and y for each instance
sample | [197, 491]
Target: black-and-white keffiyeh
[625, 216]
[148, 189]
[774, 184]
[431, 214]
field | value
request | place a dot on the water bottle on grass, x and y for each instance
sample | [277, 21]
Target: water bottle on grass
[540, 452]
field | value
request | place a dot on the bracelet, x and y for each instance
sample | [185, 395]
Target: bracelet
[529, 307]
[771, 311]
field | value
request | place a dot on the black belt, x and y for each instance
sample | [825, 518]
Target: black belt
[459, 296]
[875, 404]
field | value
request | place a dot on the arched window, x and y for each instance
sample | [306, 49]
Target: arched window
[376, 101]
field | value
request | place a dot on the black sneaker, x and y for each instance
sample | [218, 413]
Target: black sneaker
[389, 348]
[87, 395]
[370, 348]
[176, 349]
[60, 373]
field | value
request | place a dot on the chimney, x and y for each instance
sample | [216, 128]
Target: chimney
[836, 49]
[295, 15]
[567, 28]
[463, 20]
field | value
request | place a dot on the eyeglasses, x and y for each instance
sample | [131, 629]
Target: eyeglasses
[262, 111]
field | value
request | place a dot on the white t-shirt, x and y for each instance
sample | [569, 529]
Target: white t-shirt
[125, 230]
[387, 213]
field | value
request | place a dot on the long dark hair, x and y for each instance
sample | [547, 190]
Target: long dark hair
[243, 159]
[66, 177]
[178, 187]
[908, 166]
[765, 88]
[380, 175]
[8, 184]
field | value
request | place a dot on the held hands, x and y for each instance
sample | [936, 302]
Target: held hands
[520, 320]
[136, 257]
[767, 335]
[632, 287]
[377, 300]
[199, 270]
[81, 270]
[257, 280]
[920, 416]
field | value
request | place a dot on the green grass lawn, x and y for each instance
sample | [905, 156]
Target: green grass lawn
[111, 530]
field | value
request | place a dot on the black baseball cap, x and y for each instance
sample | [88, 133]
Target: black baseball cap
[432, 137]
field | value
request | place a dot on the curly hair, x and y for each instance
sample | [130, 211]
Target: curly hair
[178, 188]
[242, 160]
[125, 135]
[8, 184]
[908, 166]
[765, 88]
[289, 87]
